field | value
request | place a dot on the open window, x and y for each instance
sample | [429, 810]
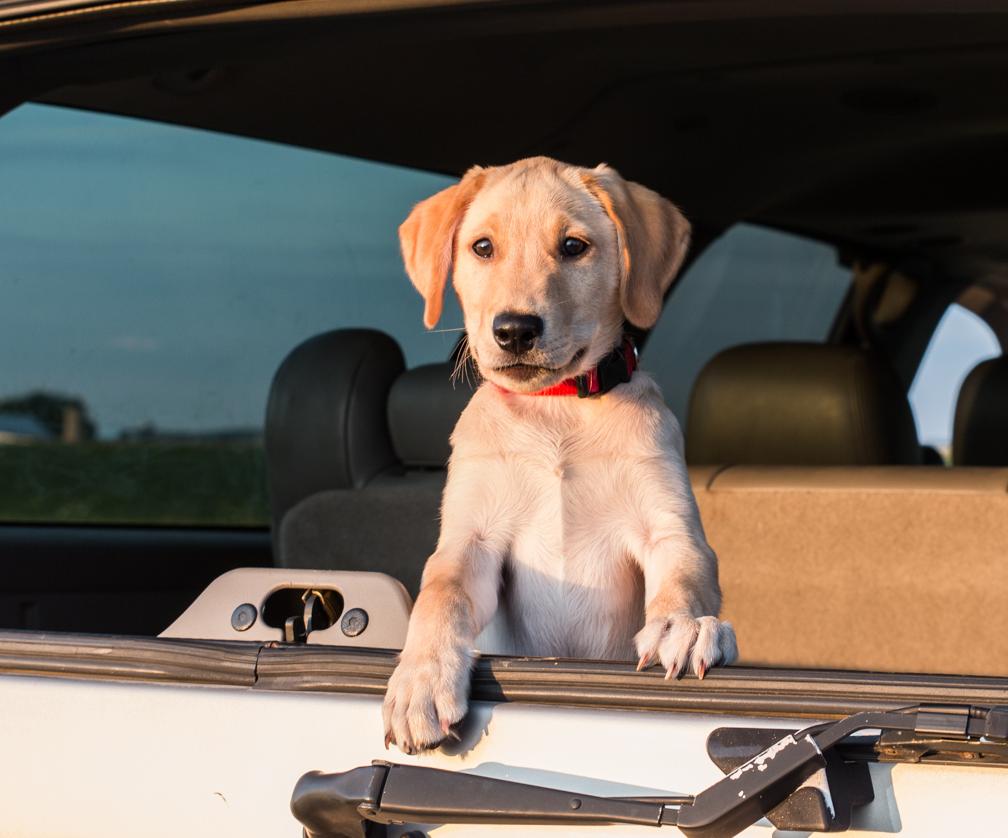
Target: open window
[172, 270]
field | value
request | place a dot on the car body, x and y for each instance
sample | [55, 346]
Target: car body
[857, 145]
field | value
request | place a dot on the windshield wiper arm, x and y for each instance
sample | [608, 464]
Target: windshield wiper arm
[357, 803]
[755, 788]
[342, 805]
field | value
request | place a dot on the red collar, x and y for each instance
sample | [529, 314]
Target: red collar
[615, 368]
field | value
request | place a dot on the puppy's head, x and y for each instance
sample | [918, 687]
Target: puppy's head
[548, 260]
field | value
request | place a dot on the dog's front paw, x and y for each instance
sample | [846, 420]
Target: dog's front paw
[683, 642]
[426, 695]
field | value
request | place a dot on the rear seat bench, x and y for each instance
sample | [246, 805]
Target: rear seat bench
[850, 559]
[835, 548]
[900, 569]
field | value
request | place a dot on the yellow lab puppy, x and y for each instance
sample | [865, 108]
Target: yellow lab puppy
[568, 518]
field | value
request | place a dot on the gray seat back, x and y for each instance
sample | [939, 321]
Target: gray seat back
[356, 452]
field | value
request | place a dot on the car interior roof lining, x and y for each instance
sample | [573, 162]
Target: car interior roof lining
[905, 167]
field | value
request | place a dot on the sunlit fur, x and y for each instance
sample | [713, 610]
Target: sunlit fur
[568, 525]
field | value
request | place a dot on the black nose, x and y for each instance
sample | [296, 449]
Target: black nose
[517, 333]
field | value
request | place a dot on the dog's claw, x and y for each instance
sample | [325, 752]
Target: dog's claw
[644, 661]
[675, 671]
[701, 670]
[446, 729]
[388, 740]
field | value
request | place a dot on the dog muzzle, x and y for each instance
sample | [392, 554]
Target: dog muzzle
[615, 368]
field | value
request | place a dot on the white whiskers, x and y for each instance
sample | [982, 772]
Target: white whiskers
[462, 366]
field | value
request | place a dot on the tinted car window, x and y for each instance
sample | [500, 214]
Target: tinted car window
[153, 277]
[752, 284]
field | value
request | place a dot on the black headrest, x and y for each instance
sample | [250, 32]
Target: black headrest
[325, 418]
[423, 407]
[799, 404]
[980, 433]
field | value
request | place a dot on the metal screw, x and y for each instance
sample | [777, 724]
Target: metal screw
[244, 617]
[575, 803]
[354, 622]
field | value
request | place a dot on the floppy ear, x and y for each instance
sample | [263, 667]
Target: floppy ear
[427, 238]
[652, 235]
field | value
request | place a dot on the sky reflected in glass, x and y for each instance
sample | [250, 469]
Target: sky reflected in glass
[162, 273]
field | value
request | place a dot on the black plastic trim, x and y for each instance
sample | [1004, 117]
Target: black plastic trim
[736, 690]
[103, 559]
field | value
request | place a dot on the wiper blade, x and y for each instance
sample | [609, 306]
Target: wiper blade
[358, 803]
[907, 746]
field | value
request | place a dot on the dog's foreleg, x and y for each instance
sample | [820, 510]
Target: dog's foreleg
[428, 691]
[681, 593]
[681, 628]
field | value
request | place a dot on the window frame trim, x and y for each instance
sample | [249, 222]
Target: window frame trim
[732, 690]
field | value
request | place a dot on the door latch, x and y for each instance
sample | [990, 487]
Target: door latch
[298, 626]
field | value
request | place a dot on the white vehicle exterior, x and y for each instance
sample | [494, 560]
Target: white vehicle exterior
[186, 736]
[99, 759]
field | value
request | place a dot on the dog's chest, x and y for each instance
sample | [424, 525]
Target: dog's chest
[573, 498]
[566, 478]
[568, 555]
[573, 589]
[572, 475]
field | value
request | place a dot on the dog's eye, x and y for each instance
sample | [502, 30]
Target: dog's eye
[571, 246]
[483, 248]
